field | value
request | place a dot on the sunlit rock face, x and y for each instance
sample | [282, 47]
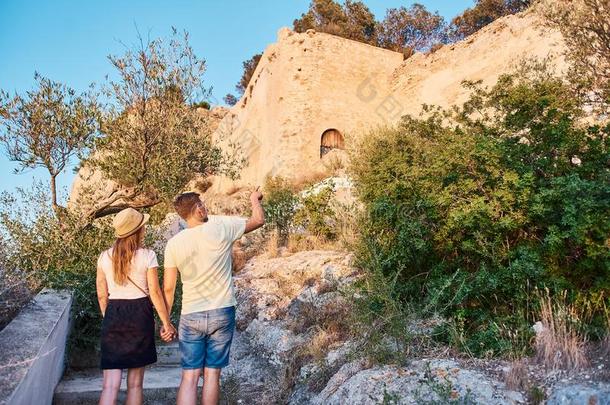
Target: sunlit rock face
[314, 92]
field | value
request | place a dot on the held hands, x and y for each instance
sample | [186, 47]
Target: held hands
[168, 332]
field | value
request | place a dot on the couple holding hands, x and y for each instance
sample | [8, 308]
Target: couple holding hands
[128, 289]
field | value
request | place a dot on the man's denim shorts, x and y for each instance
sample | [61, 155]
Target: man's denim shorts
[205, 338]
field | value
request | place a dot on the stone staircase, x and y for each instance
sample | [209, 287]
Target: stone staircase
[247, 375]
[161, 381]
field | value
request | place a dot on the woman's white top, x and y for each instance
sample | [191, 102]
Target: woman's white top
[143, 260]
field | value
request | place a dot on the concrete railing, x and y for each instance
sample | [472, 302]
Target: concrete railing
[32, 349]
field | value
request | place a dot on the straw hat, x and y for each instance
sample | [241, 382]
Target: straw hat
[128, 221]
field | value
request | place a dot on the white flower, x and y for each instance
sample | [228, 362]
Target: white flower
[538, 327]
[576, 161]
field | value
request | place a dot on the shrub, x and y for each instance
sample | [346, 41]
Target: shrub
[58, 254]
[55, 254]
[316, 214]
[470, 209]
[279, 205]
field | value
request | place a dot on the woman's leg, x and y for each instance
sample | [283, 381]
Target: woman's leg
[135, 378]
[110, 387]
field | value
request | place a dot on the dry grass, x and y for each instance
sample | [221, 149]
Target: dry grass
[299, 243]
[334, 163]
[272, 246]
[239, 259]
[328, 286]
[233, 189]
[516, 377]
[347, 216]
[560, 344]
[332, 318]
[605, 341]
[230, 390]
[235, 202]
[15, 293]
[291, 285]
[320, 343]
[286, 287]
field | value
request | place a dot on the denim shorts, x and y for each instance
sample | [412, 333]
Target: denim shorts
[205, 338]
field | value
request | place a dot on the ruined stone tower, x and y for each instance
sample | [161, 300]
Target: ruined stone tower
[311, 91]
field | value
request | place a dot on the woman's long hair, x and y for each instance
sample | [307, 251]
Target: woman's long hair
[123, 252]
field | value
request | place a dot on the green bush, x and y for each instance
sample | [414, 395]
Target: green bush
[58, 252]
[53, 253]
[315, 213]
[470, 209]
[279, 204]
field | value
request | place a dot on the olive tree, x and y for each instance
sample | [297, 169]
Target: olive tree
[47, 127]
[153, 142]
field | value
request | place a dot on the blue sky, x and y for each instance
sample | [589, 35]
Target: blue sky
[69, 41]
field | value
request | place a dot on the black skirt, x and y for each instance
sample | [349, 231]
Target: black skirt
[128, 334]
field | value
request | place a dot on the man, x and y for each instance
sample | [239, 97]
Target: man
[202, 255]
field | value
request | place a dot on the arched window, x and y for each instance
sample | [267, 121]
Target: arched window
[331, 139]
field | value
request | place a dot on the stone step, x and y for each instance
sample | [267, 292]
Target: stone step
[168, 354]
[84, 387]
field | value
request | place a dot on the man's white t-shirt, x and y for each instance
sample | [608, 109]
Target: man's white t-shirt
[143, 260]
[202, 255]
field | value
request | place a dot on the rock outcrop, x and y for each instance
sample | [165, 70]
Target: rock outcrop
[284, 307]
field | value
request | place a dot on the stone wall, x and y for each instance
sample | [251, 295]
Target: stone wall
[32, 349]
[305, 84]
[309, 82]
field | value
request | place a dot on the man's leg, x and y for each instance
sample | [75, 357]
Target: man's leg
[135, 379]
[211, 386]
[187, 393]
[110, 387]
[221, 328]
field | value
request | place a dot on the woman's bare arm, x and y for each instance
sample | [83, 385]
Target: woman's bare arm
[156, 296]
[102, 290]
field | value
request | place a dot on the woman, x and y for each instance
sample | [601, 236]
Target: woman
[126, 284]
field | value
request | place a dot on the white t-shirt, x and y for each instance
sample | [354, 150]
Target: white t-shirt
[143, 260]
[202, 255]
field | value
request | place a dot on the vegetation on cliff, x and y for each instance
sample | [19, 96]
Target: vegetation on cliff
[472, 210]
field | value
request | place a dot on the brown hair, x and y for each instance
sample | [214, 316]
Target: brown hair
[185, 203]
[123, 251]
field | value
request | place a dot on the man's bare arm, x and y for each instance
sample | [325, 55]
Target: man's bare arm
[258, 215]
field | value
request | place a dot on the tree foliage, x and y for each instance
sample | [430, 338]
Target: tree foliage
[249, 67]
[483, 13]
[48, 127]
[50, 253]
[412, 29]
[585, 29]
[230, 99]
[280, 205]
[352, 20]
[153, 141]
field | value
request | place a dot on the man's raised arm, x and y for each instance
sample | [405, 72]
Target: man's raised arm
[258, 215]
